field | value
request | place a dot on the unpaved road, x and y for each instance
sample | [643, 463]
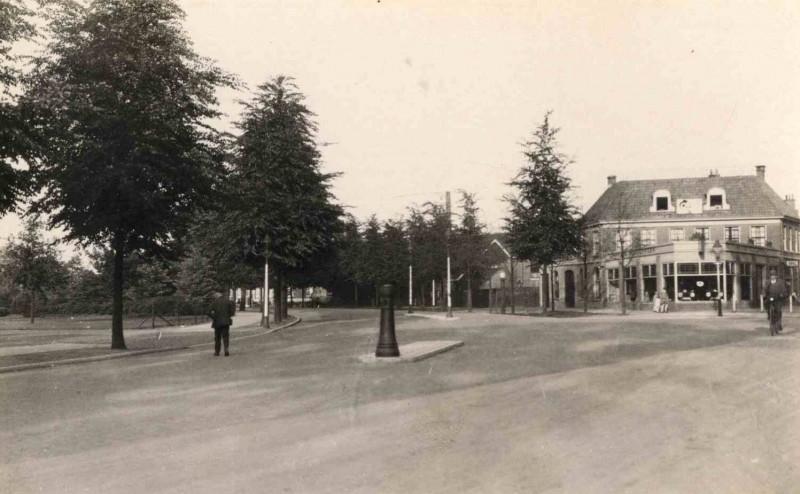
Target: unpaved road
[602, 404]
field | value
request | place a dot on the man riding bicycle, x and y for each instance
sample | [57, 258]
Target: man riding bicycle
[775, 294]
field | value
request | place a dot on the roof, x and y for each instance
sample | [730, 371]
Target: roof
[748, 196]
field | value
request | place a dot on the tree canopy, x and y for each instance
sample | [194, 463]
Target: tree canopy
[121, 103]
[542, 226]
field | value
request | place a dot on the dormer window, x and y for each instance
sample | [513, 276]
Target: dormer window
[662, 202]
[716, 200]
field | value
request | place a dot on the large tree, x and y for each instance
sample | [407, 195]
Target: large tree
[122, 106]
[15, 25]
[280, 209]
[542, 226]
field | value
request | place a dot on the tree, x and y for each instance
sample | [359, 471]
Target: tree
[195, 281]
[542, 226]
[15, 26]
[349, 246]
[278, 208]
[121, 105]
[621, 241]
[32, 263]
[470, 244]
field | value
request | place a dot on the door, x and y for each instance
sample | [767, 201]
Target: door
[569, 288]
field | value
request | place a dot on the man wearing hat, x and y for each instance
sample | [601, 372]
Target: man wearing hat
[775, 294]
[222, 311]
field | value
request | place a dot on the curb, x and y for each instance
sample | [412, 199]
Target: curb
[111, 356]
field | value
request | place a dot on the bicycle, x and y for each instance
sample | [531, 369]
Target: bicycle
[774, 317]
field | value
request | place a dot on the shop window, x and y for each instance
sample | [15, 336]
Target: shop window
[649, 271]
[668, 269]
[687, 268]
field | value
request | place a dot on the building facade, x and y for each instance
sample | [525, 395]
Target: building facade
[696, 237]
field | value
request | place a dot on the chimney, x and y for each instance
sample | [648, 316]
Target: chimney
[612, 179]
[790, 202]
[760, 171]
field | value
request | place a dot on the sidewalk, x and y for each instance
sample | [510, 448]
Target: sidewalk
[22, 349]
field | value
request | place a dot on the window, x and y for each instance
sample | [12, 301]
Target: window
[732, 233]
[687, 268]
[596, 285]
[613, 274]
[649, 271]
[661, 201]
[668, 269]
[758, 235]
[648, 236]
[596, 243]
[676, 235]
[708, 268]
[700, 233]
[716, 200]
[630, 272]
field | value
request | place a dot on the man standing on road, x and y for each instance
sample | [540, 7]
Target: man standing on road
[775, 293]
[222, 312]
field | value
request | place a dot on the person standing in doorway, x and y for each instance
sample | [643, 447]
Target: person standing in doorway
[222, 312]
[664, 297]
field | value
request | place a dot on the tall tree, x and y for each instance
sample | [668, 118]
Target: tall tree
[542, 226]
[470, 244]
[122, 105]
[281, 209]
[32, 263]
[15, 25]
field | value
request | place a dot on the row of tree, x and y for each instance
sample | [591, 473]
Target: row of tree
[115, 120]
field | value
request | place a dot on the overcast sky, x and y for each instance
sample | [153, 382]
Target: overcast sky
[421, 97]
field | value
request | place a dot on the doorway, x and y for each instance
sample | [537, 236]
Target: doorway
[569, 282]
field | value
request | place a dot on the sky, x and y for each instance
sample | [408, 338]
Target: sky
[418, 97]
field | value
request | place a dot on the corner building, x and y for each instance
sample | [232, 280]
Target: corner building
[693, 236]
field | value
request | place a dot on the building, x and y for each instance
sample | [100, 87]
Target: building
[694, 236]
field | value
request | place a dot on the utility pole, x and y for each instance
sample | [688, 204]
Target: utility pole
[410, 289]
[447, 236]
[265, 301]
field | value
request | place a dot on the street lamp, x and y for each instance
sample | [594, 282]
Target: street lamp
[717, 250]
[503, 290]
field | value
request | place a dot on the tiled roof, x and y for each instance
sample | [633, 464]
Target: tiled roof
[748, 196]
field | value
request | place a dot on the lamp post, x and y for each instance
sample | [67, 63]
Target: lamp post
[503, 290]
[717, 250]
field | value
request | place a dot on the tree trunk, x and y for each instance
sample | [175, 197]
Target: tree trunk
[355, 287]
[33, 300]
[469, 292]
[117, 336]
[303, 298]
[243, 301]
[545, 288]
[277, 294]
[622, 301]
[152, 313]
[285, 305]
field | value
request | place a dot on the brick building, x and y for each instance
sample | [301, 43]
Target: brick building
[693, 236]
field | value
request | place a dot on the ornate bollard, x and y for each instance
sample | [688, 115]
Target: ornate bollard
[387, 341]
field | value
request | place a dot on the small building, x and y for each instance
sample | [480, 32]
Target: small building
[697, 237]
